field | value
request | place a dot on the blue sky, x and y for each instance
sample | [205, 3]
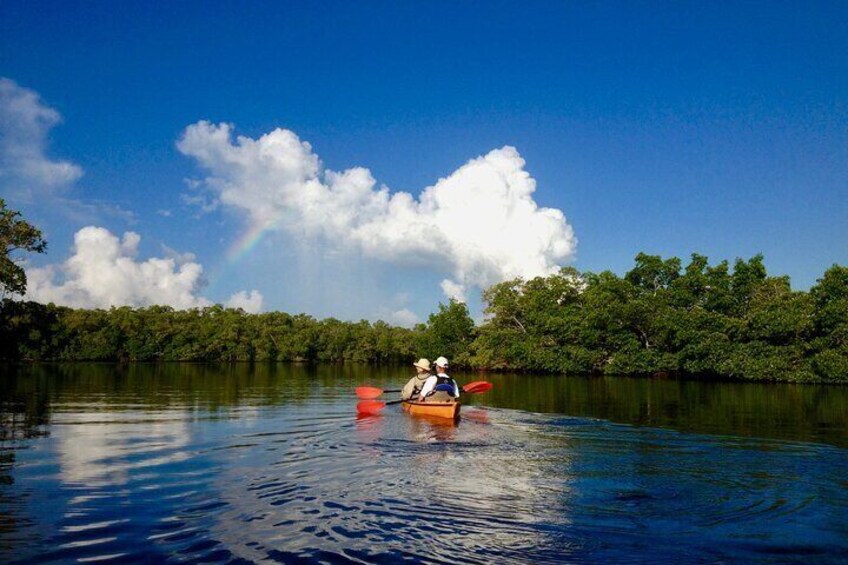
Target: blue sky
[669, 128]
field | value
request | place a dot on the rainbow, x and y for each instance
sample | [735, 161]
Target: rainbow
[238, 249]
[247, 241]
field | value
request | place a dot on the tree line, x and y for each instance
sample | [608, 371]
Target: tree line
[32, 331]
[701, 320]
[660, 318]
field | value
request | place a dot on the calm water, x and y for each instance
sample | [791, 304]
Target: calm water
[196, 463]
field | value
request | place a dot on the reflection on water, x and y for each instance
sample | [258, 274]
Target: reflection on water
[772, 410]
[270, 462]
[96, 449]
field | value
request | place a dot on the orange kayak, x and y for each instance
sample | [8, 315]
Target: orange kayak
[446, 409]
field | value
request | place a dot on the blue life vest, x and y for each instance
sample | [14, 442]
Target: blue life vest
[445, 384]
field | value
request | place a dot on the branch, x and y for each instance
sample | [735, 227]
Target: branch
[520, 325]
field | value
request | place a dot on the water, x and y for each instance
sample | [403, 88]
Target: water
[197, 463]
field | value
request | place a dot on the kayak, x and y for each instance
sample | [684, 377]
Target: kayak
[447, 409]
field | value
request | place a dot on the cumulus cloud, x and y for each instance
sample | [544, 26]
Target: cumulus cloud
[250, 303]
[453, 290]
[25, 122]
[103, 271]
[27, 173]
[403, 317]
[480, 224]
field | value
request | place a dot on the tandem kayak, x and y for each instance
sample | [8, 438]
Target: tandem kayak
[446, 409]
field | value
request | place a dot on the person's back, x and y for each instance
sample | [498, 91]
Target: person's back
[440, 387]
[415, 384]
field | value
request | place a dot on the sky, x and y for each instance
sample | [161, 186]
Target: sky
[373, 159]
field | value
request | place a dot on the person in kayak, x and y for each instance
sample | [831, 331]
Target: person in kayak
[416, 383]
[439, 387]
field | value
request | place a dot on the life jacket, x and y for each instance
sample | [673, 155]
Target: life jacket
[445, 384]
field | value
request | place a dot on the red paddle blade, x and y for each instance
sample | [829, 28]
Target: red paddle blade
[477, 387]
[368, 392]
[370, 407]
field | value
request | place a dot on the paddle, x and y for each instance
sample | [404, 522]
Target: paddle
[477, 387]
[369, 392]
[371, 407]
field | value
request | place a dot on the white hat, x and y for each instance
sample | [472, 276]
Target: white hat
[422, 364]
[441, 362]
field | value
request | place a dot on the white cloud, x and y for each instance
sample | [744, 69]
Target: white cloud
[25, 121]
[27, 174]
[480, 224]
[453, 290]
[250, 303]
[200, 201]
[179, 258]
[103, 272]
[403, 317]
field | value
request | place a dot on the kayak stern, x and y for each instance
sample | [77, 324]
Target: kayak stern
[439, 409]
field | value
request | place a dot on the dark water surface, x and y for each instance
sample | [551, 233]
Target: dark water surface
[245, 463]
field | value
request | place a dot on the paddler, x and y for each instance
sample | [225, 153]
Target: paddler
[439, 387]
[416, 383]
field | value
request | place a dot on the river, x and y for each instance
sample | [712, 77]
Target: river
[247, 463]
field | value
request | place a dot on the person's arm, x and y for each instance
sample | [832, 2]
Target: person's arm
[428, 387]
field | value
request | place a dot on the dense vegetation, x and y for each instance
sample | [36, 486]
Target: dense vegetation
[32, 331]
[17, 236]
[705, 320]
[659, 318]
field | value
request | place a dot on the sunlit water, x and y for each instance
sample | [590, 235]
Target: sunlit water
[194, 463]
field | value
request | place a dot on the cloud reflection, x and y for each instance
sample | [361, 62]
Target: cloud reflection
[103, 448]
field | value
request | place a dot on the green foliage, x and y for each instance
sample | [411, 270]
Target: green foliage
[652, 274]
[31, 331]
[449, 333]
[16, 235]
[830, 295]
[831, 365]
[659, 318]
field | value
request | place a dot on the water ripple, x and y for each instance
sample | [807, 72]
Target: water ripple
[311, 483]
